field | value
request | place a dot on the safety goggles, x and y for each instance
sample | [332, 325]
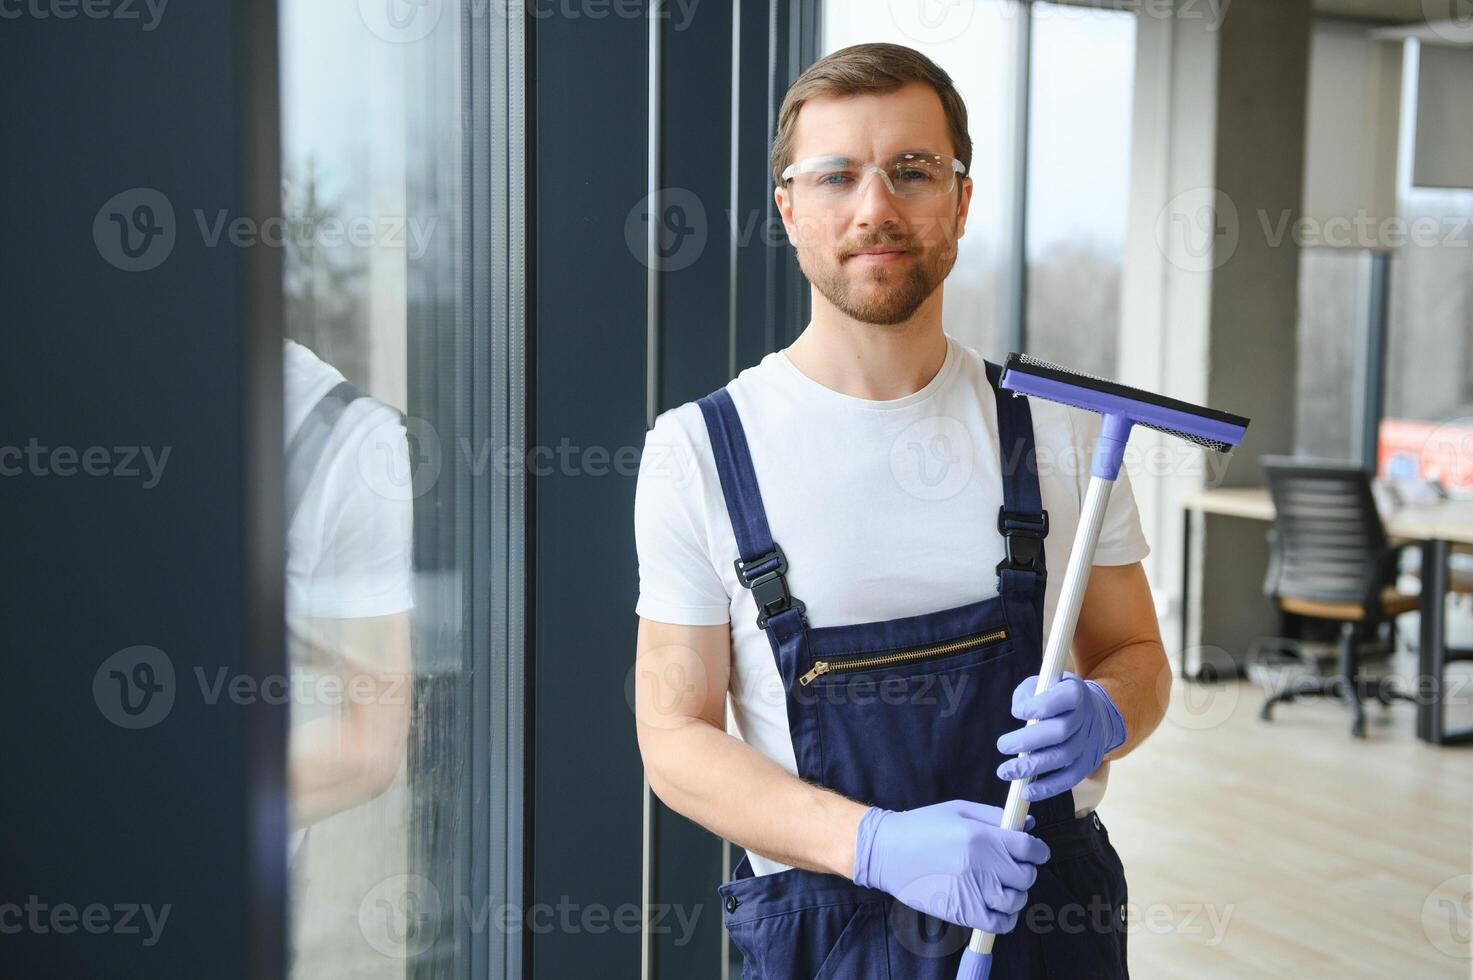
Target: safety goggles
[909, 175]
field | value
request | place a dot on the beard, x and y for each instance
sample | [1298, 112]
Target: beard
[879, 294]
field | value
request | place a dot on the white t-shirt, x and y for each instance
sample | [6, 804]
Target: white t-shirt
[349, 545]
[884, 509]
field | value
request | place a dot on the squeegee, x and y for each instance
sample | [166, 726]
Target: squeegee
[1122, 409]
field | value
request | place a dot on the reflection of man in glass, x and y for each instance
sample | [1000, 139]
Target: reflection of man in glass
[349, 530]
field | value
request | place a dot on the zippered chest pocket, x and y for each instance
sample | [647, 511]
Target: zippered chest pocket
[910, 726]
[876, 660]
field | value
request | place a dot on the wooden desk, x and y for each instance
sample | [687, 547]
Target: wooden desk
[1439, 527]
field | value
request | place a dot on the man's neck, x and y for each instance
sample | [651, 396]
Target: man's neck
[879, 362]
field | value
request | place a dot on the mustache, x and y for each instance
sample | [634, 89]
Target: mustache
[900, 243]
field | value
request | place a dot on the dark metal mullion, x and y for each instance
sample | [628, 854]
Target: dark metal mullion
[649, 812]
[775, 88]
[734, 199]
[491, 363]
[474, 400]
[267, 887]
[1372, 389]
[499, 416]
[521, 241]
[1017, 298]
[734, 206]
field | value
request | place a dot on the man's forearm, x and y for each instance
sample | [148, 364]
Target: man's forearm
[1138, 679]
[736, 792]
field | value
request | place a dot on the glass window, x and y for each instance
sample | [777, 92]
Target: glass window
[1334, 290]
[350, 537]
[974, 43]
[1081, 88]
[390, 562]
[1427, 429]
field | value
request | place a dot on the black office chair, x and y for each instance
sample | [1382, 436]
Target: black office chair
[1330, 560]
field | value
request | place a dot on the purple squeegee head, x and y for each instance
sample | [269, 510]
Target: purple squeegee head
[1122, 408]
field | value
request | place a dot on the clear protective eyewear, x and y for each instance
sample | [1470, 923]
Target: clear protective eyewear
[911, 174]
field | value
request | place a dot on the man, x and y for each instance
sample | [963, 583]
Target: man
[862, 539]
[349, 580]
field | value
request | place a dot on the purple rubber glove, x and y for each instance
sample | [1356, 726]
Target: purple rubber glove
[950, 860]
[1078, 725]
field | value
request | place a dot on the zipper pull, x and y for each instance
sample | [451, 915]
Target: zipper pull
[822, 667]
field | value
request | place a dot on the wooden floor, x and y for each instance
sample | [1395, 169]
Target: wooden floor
[1289, 849]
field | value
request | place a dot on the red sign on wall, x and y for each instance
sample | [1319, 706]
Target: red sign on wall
[1412, 451]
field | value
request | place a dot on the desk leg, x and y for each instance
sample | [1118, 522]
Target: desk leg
[1186, 585]
[1432, 646]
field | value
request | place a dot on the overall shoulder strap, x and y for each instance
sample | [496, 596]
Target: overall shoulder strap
[762, 566]
[1022, 520]
[306, 448]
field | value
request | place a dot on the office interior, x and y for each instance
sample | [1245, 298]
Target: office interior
[523, 231]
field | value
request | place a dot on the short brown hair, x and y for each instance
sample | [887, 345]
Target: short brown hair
[876, 67]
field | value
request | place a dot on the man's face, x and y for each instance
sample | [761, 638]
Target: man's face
[921, 232]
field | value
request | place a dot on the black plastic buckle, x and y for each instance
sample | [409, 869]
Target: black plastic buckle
[1024, 544]
[769, 589]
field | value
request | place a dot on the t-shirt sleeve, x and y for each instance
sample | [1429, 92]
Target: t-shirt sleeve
[1122, 542]
[678, 583]
[365, 566]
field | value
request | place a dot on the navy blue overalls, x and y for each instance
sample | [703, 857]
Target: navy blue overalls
[868, 721]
